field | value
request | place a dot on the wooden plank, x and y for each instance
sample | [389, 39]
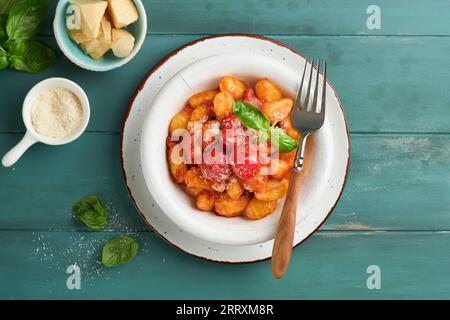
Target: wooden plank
[40, 190]
[328, 265]
[332, 17]
[361, 69]
[395, 183]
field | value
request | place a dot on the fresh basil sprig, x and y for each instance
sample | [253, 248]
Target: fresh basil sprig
[18, 26]
[3, 59]
[250, 116]
[3, 34]
[30, 56]
[92, 212]
[25, 19]
[5, 5]
[284, 142]
[253, 118]
[119, 250]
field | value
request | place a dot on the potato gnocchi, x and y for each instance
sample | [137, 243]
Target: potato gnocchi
[250, 189]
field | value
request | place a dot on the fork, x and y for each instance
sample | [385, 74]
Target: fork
[307, 121]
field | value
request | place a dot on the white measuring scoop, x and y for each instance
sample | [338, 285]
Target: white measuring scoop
[32, 136]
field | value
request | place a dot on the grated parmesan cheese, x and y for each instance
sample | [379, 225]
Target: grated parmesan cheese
[57, 113]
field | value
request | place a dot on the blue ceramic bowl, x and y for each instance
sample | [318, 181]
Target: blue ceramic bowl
[75, 54]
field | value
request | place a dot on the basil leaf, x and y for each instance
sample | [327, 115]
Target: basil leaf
[3, 59]
[25, 19]
[250, 116]
[92, 212]
[119, 250]
[282, 141]
[30, 56]
[263, 135]
[5, 5]
[3, 34]
[253, 118]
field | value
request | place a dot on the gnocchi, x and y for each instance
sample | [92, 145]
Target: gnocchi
[192, 191]
[266, 90]
[178, 171]
[234, 86]
[181, 119]
[230, 188]
[225, 206]
[206, 200]
[273, 190]
[204, 98]
[235, 188]
[277, 110]
[193, 179]
[257, 209]
[223, 104]
[256, 184]
[289, 157]
[279, 168]
[286, 124]
[201, 113]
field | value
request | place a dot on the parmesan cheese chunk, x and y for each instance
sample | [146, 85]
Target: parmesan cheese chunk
[92, 12]
[105, 25]
[73, 18]
[123, 43]
[123, 12]
[96, 48]
[78, 36]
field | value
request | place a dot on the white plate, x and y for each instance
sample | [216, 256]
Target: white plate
[331, 148]
[204, 74]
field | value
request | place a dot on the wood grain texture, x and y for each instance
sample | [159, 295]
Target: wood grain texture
[329, 265]
[395, 183]
[393, 83]
[40, 189]
[400, 17]
[385, 83]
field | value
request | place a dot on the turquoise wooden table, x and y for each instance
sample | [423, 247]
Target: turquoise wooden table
[395, 210]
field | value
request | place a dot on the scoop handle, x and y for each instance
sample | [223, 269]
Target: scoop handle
[18, 150]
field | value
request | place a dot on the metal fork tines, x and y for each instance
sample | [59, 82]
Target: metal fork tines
[308, 117]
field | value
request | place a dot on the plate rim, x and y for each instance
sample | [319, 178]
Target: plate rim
[141, 86]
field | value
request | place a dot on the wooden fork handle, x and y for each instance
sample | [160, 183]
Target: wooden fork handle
[284, 238]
